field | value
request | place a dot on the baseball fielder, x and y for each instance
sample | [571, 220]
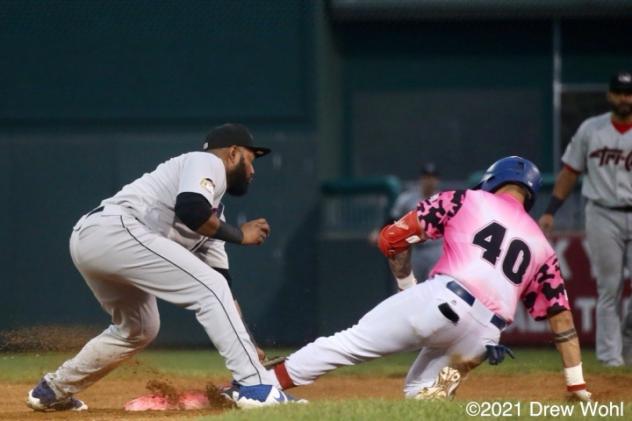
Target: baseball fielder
[139, 245]
[494, 254]
[602, 150]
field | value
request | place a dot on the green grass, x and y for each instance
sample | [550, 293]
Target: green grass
[348, 410]
[30, 366]
[530, 360]
[404, 410]
[21, 367]
[27, 366]
[527, 360]
[200, 363]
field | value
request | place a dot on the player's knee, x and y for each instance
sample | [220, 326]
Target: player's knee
[142, 334]
[150, 331]
[608, 292]
[142, 339]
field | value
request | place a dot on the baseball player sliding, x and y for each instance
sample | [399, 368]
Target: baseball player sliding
[602, 150]
[494, 254]
[139, 245]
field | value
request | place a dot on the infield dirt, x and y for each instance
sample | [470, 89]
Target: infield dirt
[106, 398]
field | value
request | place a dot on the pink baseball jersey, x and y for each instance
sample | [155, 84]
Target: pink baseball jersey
[495, 250]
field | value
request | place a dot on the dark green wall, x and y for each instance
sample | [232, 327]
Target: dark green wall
[93, 94]
[437, 91]
[50, 179]
[463, 93]
[594, 49]
[147, 59]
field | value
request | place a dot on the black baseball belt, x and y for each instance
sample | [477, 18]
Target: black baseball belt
[614, 208]
[463, 294]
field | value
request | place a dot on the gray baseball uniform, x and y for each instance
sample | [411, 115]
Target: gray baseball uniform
[133, 249]
[605, 156]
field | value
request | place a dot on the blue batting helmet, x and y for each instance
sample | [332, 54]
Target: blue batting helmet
[513, 170]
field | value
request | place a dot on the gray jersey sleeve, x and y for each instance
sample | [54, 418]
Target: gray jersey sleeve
[577, 149]
[404, 203]
[397, 209]
[203, 173]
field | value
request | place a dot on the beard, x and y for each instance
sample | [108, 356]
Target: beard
[622, 110]
[237, 180]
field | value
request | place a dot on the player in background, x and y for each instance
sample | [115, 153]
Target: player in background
[494, 255]
[426, 254]
[140, 245]
[602, 151]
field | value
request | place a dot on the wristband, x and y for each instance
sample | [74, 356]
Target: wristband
[229, 233]
[574, 378]
[406, 282]
[554, 204]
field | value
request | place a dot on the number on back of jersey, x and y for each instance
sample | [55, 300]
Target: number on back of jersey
[516, 259]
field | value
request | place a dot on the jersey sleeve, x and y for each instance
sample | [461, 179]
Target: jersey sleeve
[545, 295]
[576, 151]
[436, 211]
[203, 174]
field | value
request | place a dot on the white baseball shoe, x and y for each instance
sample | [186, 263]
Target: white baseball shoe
[444, 387]
[43, 398]
[261, 395]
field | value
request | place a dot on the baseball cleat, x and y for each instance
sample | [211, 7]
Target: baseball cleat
[43, 398]
[443, 387]
[261, 395]
[230, 392]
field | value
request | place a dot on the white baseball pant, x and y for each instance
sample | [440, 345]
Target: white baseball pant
[409, 320]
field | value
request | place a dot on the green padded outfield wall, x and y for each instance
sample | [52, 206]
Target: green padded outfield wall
[162, 60]
[446, 89]
[463, 93]
[94, 93]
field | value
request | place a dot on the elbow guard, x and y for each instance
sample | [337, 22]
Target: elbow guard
[193, 209]
[398, 237]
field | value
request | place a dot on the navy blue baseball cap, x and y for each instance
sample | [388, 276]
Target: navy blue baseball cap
[429, 169]
[230, 134]
[621, 83]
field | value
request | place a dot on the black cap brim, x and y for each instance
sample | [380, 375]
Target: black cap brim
[258, 151]
[621, 83]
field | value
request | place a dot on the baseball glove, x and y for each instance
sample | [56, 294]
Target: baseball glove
[269, 363]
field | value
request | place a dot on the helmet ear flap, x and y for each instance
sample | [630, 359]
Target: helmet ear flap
[529, 198]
